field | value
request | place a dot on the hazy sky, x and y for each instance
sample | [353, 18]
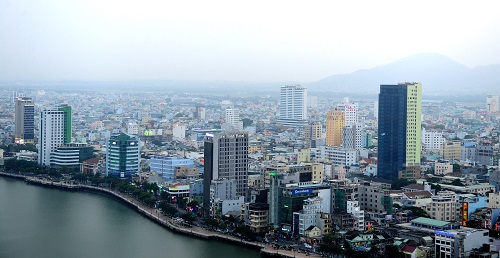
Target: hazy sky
[235, 40]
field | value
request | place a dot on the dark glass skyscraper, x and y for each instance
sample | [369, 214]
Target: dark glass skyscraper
[399, 127]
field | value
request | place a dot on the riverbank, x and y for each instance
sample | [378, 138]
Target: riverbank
[156, 216]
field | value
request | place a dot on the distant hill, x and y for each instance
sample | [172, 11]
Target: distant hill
[437, 73]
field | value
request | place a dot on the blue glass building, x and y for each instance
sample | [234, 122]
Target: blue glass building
[399, 129]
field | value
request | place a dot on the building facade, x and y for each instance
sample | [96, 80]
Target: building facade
[55, 130]
[165, 166]
[25, 120]
[293, 106]
[352, 136]
[226, 156]
[335, 122]
[399, 131]
[339, 156]
[71, 155]
[492, 102]
[123, 155]
[432, 140]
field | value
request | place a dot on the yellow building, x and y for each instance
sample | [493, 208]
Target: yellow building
[335, 121]
[451, 150]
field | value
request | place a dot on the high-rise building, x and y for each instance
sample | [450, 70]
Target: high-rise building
[55, 130]
[232, 121]
[399, 131]
[200, 112]
[225, 156]
[432, 140]
[123, 155]
[352, 136]
[350, 111]
[67, 122]
[25, 120]
[179, 131]
[335, 122]
[293, 106]
[492, 102]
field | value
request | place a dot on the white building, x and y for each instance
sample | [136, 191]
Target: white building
[339, 156]
[55, 130]
[132, 128]
[492, 102]
[232, 120]
[179, 131]
[358, 215]
[432, 140]
[293, 106]
[307, 217]
[350, 112]
[457, 243]
[223, 189]
[225, 207]
[352, 136]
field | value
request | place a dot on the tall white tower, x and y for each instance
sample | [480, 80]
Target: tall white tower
[232, 120]
[52, 132]
[293, 105]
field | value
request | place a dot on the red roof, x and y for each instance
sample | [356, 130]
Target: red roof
[409, 249]
[415, 186]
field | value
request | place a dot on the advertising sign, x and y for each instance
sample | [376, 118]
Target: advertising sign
[302, 191]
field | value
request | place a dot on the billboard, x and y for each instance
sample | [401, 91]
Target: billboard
[302, 191]
[465, 213]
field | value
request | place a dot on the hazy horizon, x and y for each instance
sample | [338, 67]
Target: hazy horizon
[261, 41]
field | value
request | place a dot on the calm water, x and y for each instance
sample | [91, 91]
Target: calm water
[42, 222]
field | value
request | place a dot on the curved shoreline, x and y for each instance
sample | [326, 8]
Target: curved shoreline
[156, 216]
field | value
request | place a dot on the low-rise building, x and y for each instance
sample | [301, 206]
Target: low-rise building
[443, 168]
[444, 207]
[458, 243]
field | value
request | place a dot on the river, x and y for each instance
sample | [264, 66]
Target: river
[43, 222]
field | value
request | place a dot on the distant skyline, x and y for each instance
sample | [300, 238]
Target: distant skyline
[257, 41]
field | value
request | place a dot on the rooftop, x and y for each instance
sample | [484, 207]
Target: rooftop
[431, 222]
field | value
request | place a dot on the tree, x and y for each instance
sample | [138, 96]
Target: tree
[441, 127]
[456, 168]
[168, 209]
[398, 183]
[434, 180]
[246, 232]
[211, 222]
[436, 187]
[188, 217]
[417, 212]
[457, 182]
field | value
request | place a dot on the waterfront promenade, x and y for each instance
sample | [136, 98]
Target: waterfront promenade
[157, 216]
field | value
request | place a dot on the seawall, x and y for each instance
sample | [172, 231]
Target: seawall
[156, 216]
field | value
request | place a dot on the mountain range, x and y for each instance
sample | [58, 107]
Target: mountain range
[437, 73]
